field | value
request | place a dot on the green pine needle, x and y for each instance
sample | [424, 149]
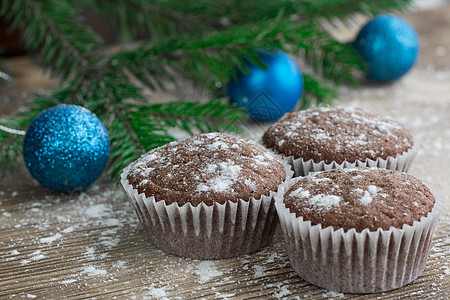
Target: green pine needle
[206, 42]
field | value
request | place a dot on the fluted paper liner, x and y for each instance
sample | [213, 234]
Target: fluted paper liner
[356, 262]
[207, 232]
[401, 162]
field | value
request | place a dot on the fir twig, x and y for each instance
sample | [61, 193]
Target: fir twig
[316, 92]
[343, 8]
[202, 41]
[53, 27]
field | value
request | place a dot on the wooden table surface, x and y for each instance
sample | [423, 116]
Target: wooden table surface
[90, 244]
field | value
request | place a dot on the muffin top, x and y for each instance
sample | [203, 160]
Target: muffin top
[360, 198]
[337, 134]
[212, 167]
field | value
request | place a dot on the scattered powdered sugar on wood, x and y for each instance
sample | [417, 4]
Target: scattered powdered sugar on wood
[333, 294]
[283, 292]
[260, 271]
[93, 271]
[157, 293]
[68, 281]
[36, 255]
[206, 270]
[218, 295]
[51, 239]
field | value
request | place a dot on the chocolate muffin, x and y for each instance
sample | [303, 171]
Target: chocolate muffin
[362, 198]
[358, 230]
[207, 197]
[329, 138]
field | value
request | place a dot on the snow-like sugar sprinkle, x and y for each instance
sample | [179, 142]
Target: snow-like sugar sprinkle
[260, 271]
[282, 293]
[248, 182]
[219, 295]
[227, 174]
[97, 211]
[324, 201]
[211, 135]
[300, 193]
[320, 136]
[373, 190]
[218, 145]
[157, 293]
[50, 239]
[333, 294]
[367, 197]
[36, 255]
[68, 281]
[206, 270]
[93, 271]
[263, 160]
[319, 180]
[68, 229]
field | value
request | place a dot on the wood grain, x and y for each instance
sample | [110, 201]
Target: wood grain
[90, 244]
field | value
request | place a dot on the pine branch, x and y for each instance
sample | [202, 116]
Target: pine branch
[217, 41]
[214, 59]
[316, 92]
[123, 147]
[214, 115]
[140, 18]
[53, 27]
[149, 126]
[343, 8]
[205, 60]
[335, 61]
[231, 13]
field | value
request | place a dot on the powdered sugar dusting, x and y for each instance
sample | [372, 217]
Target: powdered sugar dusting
[324, 201]
[337, 134]
[227, 174]
[206, 270]
[301, 193]
[93, 271]
[367, 197]
[157, 293]
[205, 165]
[51, 239]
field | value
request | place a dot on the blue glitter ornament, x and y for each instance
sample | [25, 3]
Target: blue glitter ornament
[390, 47]
[66, 148]
[268, 93]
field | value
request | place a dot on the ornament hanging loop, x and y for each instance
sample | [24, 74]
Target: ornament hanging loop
[12, 131]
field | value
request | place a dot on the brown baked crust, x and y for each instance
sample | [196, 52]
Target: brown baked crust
[212, 167]
[360, 198]
[337, 134]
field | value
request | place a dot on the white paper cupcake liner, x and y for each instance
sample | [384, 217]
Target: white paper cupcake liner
[207, 232]
[356, 262]
[401, 162]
